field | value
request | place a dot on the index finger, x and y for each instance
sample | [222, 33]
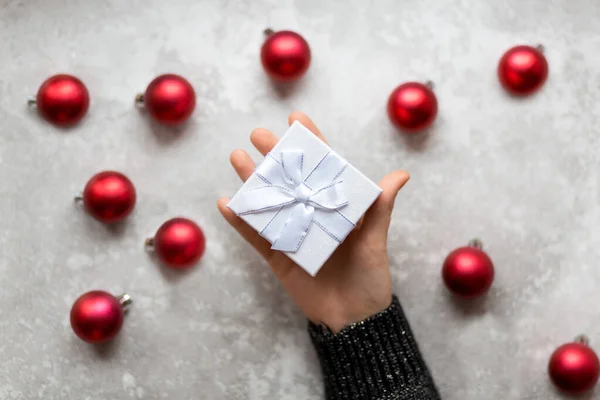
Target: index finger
[263, 140]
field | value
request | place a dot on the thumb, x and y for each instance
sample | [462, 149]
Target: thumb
[377, 219]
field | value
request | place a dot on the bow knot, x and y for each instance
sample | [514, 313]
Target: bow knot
[302, 193]
[286, 187]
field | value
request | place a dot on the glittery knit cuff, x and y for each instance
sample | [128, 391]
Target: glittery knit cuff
[377, 358]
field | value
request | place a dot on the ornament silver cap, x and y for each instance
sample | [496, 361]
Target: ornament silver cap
[476, 243]
[125, 301]
[582, 339]
[139, 99]
[149, 243]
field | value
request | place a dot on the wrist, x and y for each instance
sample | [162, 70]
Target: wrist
[336, 320]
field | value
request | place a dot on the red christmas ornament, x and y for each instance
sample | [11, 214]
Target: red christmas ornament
[170, 99]
[62, 100]
[468, 271]
[574, 368]
[522, 70]
[285, 55]
[109, 196]
[179, 243]
[412, 106]
[97, 316]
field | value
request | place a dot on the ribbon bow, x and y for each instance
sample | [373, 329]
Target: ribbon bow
[315, 198]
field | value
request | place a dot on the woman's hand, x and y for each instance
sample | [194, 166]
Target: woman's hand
[355, 282]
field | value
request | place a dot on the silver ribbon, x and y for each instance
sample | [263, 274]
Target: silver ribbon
[300, 200]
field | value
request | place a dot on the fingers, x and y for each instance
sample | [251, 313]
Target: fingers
[250, 235]
[264, 140]
[307, 122]
[242, 163]
[377, 219]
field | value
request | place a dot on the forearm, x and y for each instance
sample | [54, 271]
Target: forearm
[374, 359]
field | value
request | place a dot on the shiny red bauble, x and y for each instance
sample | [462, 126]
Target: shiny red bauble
[62, 100]
[522, 70]
[412, 106]
[285, 55]
[97, 316]
[109, 196]
[574, 368]
[170, 99]
[179, 243]
[468, 271]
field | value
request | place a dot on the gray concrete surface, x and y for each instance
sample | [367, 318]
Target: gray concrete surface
[519, 174]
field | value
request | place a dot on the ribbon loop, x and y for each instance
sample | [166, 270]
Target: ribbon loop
[291, 162]
[264, 198]
[329, 197]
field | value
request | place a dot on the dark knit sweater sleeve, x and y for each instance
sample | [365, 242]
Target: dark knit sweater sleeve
[377, 358]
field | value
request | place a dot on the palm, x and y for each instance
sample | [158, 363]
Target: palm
[355, 282]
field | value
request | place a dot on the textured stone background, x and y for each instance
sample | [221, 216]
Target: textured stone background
[519, 174]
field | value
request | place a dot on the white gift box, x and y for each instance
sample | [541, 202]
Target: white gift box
[304, 198]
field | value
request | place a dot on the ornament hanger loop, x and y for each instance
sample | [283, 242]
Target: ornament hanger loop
[268, 32]
[540, 47]
[430, 84]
